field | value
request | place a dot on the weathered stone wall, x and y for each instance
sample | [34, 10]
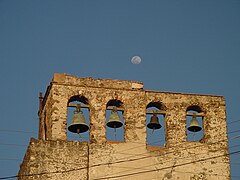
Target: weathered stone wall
[132, 159]
[55, 160]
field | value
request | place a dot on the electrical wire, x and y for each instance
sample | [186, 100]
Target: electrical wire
[120, 160]
[17, 131]
[135, 155]
[10, 159]
[14, 159]
[188, 172]
[233, 131]
[232, 122]
[124, 175]
[125, 160]
[164, 161]
[209, 174]
[15, 145]
[236, 163]
[162, 154]
[32, 132]
[194, 146]
[131, 155]
[20, 131]
[167, 167]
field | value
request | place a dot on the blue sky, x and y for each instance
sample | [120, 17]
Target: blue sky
[185, 46]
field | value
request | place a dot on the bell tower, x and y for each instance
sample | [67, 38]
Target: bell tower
[53, 156]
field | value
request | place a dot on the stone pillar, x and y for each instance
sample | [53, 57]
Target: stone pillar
[58, 115]
[175, 120]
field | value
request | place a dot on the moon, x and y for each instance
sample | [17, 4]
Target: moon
[136, 60]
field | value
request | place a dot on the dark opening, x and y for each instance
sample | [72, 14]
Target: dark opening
[155, 135]
[194, 124]
[115, 125]
[82, 136]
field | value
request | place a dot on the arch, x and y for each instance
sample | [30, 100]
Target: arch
[114, 102]
[78, 98]
[157, 104]
[194, 108]
[155, 137]
[117, 133]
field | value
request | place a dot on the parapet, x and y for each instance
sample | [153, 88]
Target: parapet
[100, 83]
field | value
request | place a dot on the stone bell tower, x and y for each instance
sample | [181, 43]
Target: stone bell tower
[53, 156]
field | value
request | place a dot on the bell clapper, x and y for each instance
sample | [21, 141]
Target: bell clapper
[194, 135]
[80, 137]
[115, 132]
[153, 130]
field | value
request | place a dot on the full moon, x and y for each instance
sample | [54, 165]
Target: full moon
[136, 60]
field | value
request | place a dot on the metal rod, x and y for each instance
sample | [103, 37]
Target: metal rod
[153, 130]
[195, 114]
[115, 133]
[87, 106]
[80, 137]
[163, 112]
[194, 135]
[155, 112]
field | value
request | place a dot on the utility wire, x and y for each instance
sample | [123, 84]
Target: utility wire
[143, 153]
[144, 157]
[194, 146]
[14, 159]
[115, 152]
[31, 132]
[132, 155]
[233, 131]
[16, 145]
[135, 155]
[164, 162]
[235, 163]
[9, 159]
[233, 122]
[124, 175]
[189, 172]
[20, 131]
[17, 131]
[167, 167]
[128, 160]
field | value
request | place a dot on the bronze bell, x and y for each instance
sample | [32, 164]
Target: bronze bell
[154, 123]
[114, 120]
[78, 124]
[194, 125]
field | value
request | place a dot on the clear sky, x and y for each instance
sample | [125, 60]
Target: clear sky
[186, 46]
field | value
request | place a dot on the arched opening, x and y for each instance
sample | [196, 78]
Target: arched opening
[78, 119]
[155, 124]
[194, 124]
[114, 121]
